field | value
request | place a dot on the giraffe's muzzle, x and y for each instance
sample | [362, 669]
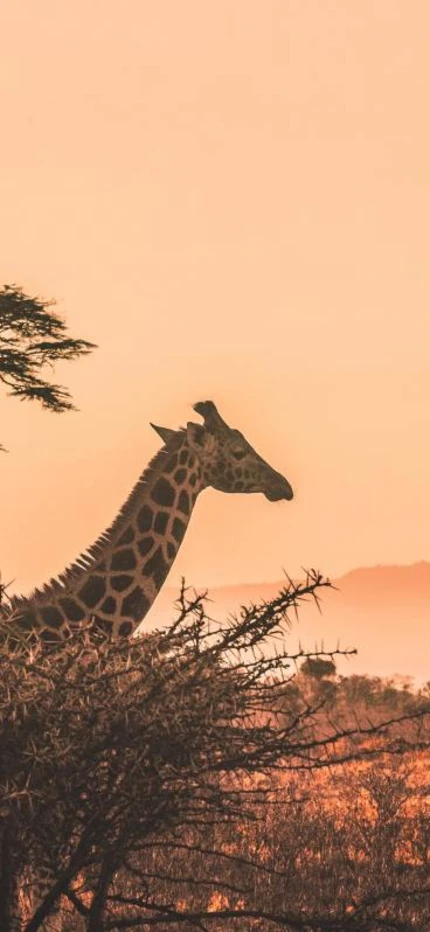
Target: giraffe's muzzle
[280, 491]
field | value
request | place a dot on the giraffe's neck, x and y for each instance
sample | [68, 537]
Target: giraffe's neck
[117, 580]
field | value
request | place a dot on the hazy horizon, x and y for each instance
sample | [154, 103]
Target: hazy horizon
[381, 611]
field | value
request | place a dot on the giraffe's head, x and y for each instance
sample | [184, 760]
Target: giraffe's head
[227, 461]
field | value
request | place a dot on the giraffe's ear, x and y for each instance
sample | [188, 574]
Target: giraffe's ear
[164, 432]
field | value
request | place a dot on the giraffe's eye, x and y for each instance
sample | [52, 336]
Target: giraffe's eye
[238, 454]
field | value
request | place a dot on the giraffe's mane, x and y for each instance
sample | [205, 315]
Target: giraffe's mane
[88, 558]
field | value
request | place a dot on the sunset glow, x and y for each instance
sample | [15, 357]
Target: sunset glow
[232, 200]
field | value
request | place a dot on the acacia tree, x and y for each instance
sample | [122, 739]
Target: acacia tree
[33, 337]
[128, 770]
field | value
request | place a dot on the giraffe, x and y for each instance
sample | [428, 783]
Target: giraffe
[116, 580]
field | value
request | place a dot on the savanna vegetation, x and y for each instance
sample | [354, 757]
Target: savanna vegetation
[204, 777]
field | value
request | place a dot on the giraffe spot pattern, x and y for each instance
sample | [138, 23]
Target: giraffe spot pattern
[135, 604]
[93, 590]
[180, 475]
[178, 530]
[109, 606]
[184, 503]
[127, 537]
[238, 486]
[123, 560]
[145, 545]
[121, 582]
[160, 522]
[193, 479]
[125, 629]
[144, 519]
[171, 464]
[183, 457]
[156, 567]
[50, 636]
[104, 625]
[72, 610]
[52, 616]
[27, 621]
[163, 493]
[171, 549]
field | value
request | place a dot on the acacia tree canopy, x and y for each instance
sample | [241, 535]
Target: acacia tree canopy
[33, 337]
[318, 667]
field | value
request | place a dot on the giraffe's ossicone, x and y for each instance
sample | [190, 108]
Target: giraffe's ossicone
[116, 580]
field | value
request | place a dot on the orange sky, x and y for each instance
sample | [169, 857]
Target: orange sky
[232, 199]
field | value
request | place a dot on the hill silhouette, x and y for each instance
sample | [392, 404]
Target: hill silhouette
[383, 611]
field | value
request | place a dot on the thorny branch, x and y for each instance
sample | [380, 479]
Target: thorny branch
[116, 757]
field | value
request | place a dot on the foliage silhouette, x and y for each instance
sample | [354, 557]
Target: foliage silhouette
[131, 772]
[33, 337]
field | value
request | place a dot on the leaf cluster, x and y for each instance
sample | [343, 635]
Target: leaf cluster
[32, 337]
